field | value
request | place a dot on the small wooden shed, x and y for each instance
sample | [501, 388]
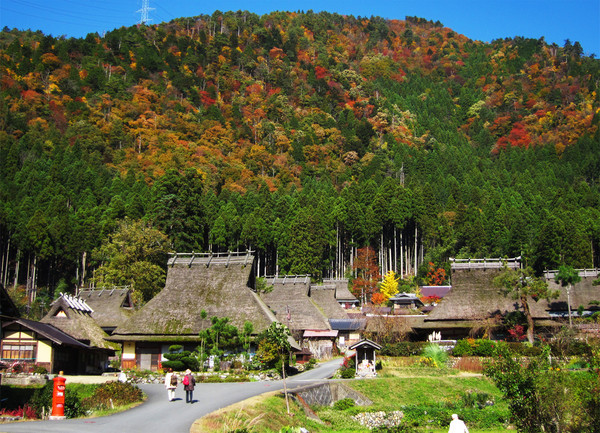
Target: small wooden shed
[365, 357]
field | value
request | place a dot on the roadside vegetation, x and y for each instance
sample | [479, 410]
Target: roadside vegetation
[506, 388]
[81, 400]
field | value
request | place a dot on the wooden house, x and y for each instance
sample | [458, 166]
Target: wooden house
[73, 316]
[218, 284]
[405, 301]
[32, 343]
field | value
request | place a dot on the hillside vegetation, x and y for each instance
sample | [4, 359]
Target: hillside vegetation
[301, 136]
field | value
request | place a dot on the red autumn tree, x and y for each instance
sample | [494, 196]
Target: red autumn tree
[367, 274]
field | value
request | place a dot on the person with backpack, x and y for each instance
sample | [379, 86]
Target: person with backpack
[171, 384]
[188, 384]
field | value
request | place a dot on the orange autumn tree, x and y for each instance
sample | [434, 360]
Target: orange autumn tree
[436, 276]
[364, 285]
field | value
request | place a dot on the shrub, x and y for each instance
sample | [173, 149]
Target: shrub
[463, 348]
[471, 347]
[348, 373]
[41, 401]
[111, 394]
[38, 369]
[403, 348]
[524, 349]
[343, 404]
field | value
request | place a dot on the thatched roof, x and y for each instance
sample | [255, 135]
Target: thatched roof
[342, 293]
[112, 307]
[475, 297]
[217, 284]
[73, 316]
[583, 293]
[324, 297]
[292, 306]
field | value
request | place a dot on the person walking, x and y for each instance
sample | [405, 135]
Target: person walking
[457, 425]
[171, 384]
[189, 382]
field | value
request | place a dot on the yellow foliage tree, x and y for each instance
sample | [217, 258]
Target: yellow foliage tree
[389, 285]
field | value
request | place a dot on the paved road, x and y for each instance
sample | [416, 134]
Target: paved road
[158, 414]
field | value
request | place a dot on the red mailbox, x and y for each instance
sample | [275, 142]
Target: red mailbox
[58, 398]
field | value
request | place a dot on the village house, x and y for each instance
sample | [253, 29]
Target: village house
[73, 316]
[292, 305]
[218, 284]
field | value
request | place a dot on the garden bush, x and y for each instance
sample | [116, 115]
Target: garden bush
[348, 373]
[111, 394]
[344, 404]
[403, 348]
[41, 401]
[472, 347]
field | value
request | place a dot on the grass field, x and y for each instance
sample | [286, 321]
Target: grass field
[427, 396]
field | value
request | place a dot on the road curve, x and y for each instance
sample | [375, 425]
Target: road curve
[158, 414]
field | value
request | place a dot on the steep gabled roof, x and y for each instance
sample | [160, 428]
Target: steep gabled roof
[48, 331]
[324, 297]
[112, 307]
[217, 284]
[73, 316]
[583, 293]
[292, 306]
[342, 293]
[475, 297]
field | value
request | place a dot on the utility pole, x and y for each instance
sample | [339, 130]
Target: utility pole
[144, 12]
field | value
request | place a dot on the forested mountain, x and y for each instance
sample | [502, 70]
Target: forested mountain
[302, 136]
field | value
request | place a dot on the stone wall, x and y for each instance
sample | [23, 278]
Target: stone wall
[327, 393]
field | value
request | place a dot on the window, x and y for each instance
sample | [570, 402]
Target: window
[25, 351]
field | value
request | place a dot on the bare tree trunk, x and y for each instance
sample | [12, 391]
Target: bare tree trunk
[83, 268]
[416, 247]
[16, 282]
[401, 257]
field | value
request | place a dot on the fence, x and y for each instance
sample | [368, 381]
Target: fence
[485, 263]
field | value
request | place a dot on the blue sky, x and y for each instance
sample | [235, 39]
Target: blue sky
[484, 20]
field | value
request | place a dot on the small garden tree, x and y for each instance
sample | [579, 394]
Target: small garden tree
[567, 276]
[522, 285]
[278, 335]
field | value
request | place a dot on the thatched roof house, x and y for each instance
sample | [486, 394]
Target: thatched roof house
[584, 293]
[111, 307]
[74, 317]
[342, 294]
[218, 284]
[293, 304]
[289, 300]
[475, 300]
[324, 297]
